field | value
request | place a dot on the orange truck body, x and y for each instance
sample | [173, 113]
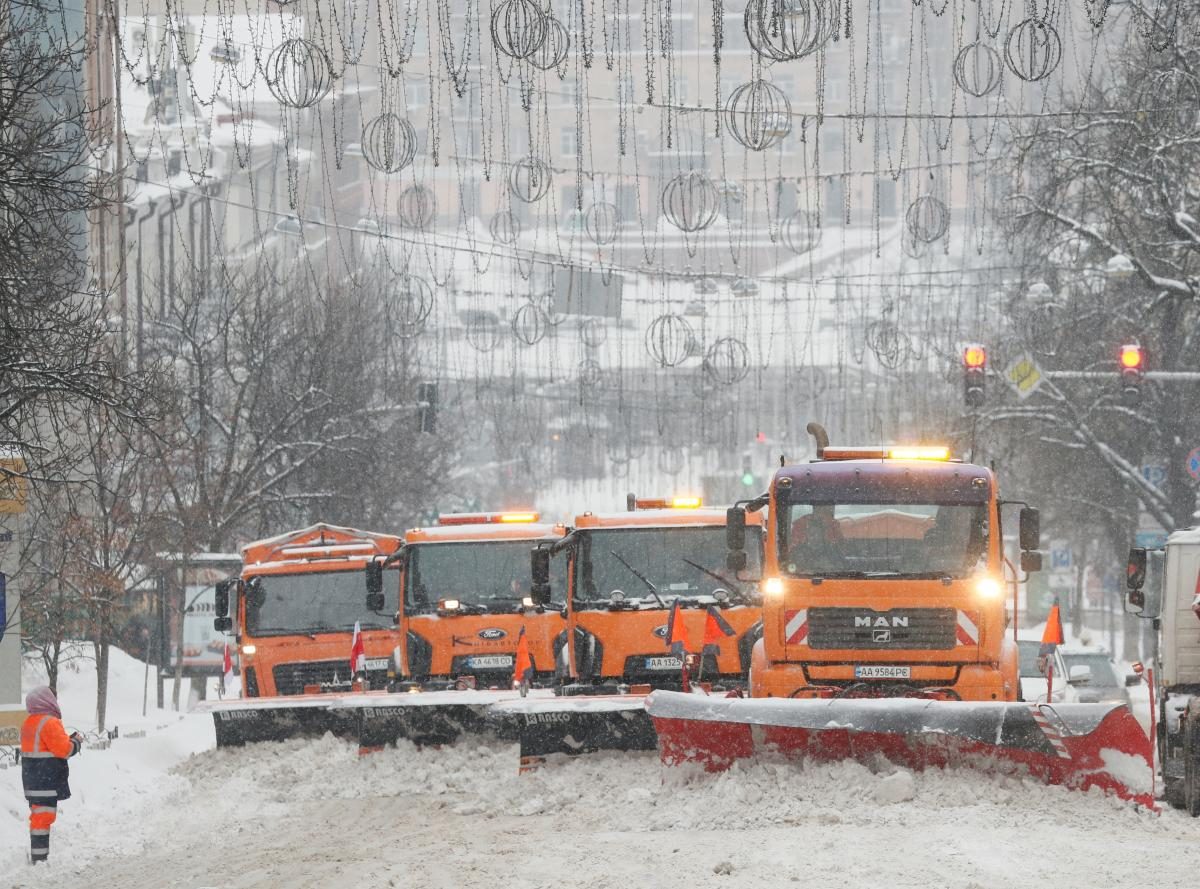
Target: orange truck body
[299, 640]
[471, 559]
[629, 645]
[927, 627]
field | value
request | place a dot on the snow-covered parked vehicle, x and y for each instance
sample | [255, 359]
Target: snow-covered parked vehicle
[1162, 587]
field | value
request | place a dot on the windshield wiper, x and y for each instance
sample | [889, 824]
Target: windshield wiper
[642, 577]
[734, 586]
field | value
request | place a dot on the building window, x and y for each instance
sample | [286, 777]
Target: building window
[567, 143]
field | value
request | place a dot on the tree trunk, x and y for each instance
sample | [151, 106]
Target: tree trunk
[183, 571]
[102, 647]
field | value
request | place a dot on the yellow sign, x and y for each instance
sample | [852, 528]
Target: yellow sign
[14, 488]
[1024, 376]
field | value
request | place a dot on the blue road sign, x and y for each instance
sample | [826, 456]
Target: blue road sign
[1193, 463]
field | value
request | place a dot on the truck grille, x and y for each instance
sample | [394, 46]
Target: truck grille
[290, 679]
[864, 629]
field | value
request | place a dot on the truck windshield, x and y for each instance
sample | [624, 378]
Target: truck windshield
[667, 557]
[316, 602]
[490, 575]
[882, 540]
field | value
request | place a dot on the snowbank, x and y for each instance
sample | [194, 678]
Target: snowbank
[167, 810]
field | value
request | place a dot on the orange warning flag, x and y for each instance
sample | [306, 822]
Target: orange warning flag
[1052, 636]
[523, 668]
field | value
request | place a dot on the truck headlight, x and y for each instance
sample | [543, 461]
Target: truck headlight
[989, 588]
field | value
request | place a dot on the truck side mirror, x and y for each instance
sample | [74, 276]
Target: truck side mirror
[539, 570]
[1030, 532]
[221, 603]
[735, 528]
[1031, 561]
[1135, 569]
[374, 576]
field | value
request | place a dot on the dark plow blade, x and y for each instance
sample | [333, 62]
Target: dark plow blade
[1075, 745]
[375, 721]
[575, 726]
[235, 727]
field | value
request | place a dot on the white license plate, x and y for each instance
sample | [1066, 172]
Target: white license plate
[486, 661]
[664, 663]
[882, 671]
[377, 663]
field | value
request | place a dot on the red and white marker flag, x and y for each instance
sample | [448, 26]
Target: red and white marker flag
[358, 654]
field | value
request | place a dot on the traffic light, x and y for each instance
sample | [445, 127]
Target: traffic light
[1133, 365]
[747, 471]
[974, 360]
[427, 407]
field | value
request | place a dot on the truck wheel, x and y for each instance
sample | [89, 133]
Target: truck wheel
[1191, 768]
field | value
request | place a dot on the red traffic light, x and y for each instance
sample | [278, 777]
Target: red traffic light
[1131, 356]
[974, 356]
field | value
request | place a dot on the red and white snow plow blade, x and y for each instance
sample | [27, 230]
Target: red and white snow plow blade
[1075, 745]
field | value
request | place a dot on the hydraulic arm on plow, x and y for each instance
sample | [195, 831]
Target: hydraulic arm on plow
[884, 619]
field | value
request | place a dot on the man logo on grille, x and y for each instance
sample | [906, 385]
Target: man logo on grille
[881, 635]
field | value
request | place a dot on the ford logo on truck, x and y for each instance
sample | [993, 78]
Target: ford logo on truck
[492, 633]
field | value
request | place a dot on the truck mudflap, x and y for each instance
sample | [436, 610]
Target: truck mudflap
[572, 726]
[1075, 745]
[374, 719]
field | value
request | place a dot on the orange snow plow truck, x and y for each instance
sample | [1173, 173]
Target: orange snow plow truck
[294, 610]
[465, 588]
[884, 633]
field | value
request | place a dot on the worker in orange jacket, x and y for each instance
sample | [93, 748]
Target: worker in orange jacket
[45, 749]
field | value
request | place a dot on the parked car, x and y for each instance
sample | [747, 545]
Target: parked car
[1033, 678]
[1095, 678]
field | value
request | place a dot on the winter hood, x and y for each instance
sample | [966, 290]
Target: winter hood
[42, 700]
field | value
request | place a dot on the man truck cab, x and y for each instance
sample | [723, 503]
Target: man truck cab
[465, 589]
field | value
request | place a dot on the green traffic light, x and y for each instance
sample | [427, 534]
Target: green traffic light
[747, 479]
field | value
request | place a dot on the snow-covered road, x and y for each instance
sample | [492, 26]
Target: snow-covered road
[161, 809]
[313, 814]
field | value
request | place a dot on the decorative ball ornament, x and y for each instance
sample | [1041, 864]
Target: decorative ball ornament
[518, 28]
[1170, 103]
[759, 115]
[529, 179]
[727, 361]
[593, 333]
[1033, 49]
[890, 345]
[546, 302]
[927, 219]
[670, 340]
[690, 201]
[505, 228]
[554, 47]
[782, 30]
[529, 324]
[590, 373]
[801, 232]
[483, 334]
[298, 73]
[409, 303]
[670, 460]
[602, 222]
[417, 207]
[978, 69]
[389, 143]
